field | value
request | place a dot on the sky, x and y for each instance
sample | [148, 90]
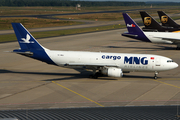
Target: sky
[135, 0]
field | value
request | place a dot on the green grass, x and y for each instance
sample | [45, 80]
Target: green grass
[7, 11]
[7, 38]
[39, 23]
[12, 37]
[5, 23]
[176, 18]
[97, 16]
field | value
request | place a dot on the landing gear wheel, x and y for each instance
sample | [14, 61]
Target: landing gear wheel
[90, 76]
[95, 76]
[155, 75]
[177, 48]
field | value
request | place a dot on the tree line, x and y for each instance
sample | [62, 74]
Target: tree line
[65, 3]
[74, 3]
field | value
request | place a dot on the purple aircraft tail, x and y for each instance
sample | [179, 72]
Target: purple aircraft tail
[130, 24]
[134, 31]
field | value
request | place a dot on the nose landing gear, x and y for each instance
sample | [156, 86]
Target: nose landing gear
[155, 75]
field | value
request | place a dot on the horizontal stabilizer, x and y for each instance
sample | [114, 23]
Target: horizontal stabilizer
[27, 53]
[129, 35]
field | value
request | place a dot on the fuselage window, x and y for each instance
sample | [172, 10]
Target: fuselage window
[169, 61]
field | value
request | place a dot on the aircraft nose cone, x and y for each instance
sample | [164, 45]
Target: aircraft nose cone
[176, 65]
[173, 65]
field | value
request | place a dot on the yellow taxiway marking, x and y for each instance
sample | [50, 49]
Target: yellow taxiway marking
[77, 93]
[167, 84]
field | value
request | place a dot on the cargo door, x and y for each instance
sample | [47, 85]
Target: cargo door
[157, 61]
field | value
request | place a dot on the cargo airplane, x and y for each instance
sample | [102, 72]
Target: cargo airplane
[152, 25]
[110, 64]
[167, 21]
[135, 32]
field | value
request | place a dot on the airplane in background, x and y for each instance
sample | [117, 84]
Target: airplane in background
[110, 64]
[167, 21]
[152, 25]
[135, 32]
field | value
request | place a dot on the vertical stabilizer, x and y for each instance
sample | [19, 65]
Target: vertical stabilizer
[25, 39]
[166, 20]
[29, 46]
[131, 24]
[134, 31]
[150, 22]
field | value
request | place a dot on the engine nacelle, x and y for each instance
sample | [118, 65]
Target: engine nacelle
[112, 71]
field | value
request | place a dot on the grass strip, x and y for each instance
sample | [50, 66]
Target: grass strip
[12, 37]
[5, 23]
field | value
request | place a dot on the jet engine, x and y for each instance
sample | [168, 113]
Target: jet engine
[112, 71]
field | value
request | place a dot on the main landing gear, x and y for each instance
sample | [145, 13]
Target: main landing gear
[155, 75]
[95, 74]
[177, 48]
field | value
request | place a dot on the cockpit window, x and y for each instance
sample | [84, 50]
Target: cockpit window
[169, 61]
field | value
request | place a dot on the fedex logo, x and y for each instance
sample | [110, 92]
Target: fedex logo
[136, 60]
[132, 25]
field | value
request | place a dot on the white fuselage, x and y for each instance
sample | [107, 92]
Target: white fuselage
[157, 37]
[127, 62]
[111, 64]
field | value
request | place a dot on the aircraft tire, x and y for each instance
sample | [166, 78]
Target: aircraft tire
[95, 76]
[90, 76]
[177, 48]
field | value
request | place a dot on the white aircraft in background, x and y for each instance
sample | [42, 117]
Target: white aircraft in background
[111, 64]
[154, 37]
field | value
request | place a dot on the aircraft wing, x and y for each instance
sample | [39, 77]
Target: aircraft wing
[176, 41]
[92, 64]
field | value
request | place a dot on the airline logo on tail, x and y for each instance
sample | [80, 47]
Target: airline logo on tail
[132, 25]
[26, 40]
[164, 19]
[147, 21]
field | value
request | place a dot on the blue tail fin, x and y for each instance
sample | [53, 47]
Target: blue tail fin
[131, 25]
[134, 30]
[29, 46]
[25, 39]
